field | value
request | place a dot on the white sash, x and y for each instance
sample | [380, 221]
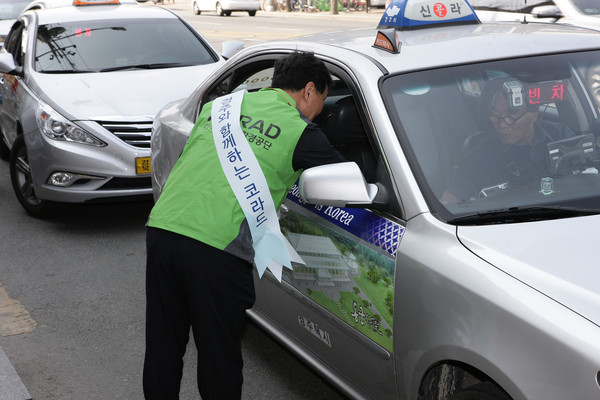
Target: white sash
[248, 182]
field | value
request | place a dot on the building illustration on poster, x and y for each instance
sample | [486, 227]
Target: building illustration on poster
[325, 264]
[349, 257]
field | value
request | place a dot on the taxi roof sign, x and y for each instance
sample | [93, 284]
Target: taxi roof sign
[94, 2]
[387, 40]
[415, 14]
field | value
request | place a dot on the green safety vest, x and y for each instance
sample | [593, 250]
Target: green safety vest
[197, 200]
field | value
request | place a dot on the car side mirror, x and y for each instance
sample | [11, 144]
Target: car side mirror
[340, 185]
[230, 47]
[546, 12]
[8, 65]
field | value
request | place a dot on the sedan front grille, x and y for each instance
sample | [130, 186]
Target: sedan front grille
[136, 134]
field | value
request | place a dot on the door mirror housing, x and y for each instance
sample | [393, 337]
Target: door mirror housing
[547, 12]
[8, 65]
[340, 185]
[230, 47]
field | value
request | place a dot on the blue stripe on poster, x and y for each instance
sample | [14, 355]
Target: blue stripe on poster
[362, 223]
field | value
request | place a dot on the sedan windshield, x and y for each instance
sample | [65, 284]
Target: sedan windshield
[588, 7]
[504, 141]
[97, 46]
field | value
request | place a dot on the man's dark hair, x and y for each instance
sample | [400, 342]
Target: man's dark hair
[294, 71]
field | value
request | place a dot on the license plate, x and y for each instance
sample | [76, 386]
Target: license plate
[142, 165]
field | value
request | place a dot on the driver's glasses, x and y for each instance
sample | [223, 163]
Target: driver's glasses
[507, 119]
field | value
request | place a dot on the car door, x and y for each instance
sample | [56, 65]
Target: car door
[10, 84]
[339, 304]
[335, 310]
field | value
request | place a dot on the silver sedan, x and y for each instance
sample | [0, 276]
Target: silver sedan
[79, 91]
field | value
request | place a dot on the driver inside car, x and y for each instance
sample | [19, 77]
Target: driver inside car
[512, 147]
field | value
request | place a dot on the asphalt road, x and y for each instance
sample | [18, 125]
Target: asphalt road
[270, 26]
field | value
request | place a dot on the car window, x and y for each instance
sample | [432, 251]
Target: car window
[257, 80]
[96, 46]
[250, 76]
[462, 140]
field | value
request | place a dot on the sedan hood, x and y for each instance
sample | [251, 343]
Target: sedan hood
[120, 95]
[559, 258]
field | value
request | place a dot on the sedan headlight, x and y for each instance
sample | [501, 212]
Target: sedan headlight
[57, 127]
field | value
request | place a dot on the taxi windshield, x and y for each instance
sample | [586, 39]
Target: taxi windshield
[102, 46]
[493, 140]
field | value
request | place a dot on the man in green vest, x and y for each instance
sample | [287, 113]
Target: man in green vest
[201, 231]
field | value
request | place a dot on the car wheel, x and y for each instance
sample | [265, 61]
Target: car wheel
[196, 8]
[481, 391]
[252, 13]
[220, 11]
[22, 182]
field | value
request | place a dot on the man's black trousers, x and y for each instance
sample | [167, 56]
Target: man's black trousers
[189, 283]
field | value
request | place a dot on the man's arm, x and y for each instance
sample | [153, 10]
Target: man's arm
[314, 149]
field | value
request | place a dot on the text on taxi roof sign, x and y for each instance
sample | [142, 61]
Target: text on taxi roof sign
[94, 2]
[415, 14]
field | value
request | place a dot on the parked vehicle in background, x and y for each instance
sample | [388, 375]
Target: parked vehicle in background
[9, 11]
[402, 294]
[225, 7]
[79, 92]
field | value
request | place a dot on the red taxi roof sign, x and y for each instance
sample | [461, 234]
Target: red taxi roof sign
[415, 14]
[387, 40]
[94, 2]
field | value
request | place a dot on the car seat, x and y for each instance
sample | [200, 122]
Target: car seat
[345, 131]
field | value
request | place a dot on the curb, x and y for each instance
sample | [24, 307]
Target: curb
[11, 386]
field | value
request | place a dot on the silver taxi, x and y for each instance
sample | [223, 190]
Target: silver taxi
[80, 87]
[405, 291]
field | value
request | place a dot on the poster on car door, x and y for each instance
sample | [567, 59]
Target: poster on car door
[349, 256]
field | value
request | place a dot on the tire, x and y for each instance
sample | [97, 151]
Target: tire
[22, 182]
[227, 13]
[481, 391]
[252, 13]
[219, 9]
[196, 8]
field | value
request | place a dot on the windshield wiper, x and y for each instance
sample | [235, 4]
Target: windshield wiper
[521, 214]
[141, 66]
[64, 71]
